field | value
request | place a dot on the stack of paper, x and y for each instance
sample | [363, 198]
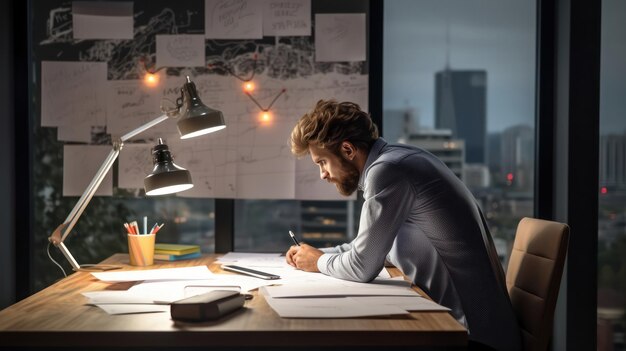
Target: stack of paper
[159, 287]
[342, 299]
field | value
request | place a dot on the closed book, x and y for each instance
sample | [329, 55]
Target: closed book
[207, 306]
[175, 249]
[168, 257]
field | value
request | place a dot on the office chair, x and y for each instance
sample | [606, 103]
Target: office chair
[533, 277]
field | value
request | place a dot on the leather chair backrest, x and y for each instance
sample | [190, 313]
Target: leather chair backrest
[533, 277]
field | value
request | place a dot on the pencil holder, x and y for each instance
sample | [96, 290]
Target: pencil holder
[141, 249]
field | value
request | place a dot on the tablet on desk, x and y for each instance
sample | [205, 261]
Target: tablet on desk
[250, 272]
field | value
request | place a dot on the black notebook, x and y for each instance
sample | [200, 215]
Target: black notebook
[208, 306]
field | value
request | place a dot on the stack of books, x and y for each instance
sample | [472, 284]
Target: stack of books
[175, 252]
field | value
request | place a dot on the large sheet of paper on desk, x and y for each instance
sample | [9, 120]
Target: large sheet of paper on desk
[185, 273]
[379, 287]
[333, 307]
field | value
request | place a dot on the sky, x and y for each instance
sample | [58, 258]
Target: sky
[493, 35]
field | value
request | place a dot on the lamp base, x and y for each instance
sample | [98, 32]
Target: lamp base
[97, 267]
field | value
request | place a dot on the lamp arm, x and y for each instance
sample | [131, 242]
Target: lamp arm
[144, 127]
[62, 231]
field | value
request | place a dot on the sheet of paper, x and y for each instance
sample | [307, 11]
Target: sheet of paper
[287, 18]
[132, 309]
[184, 273]
[132, 297]
[132, 103]
[73, 93]
[408, 303]
[80, 165]
[76, 133]
[233, 19]
[379, 287]
[187, 288]
[183, 50]
[340, 37]
[135, 163]
[339, 307]
[102, 19]
[254, 259]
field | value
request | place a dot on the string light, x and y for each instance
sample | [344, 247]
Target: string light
[266, 117]
[249, 87]
[151, 80]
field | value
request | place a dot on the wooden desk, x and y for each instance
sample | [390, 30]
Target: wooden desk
[58, 316]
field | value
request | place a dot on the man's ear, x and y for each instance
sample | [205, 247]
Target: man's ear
[348, 150]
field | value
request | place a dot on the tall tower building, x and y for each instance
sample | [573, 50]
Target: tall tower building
[517, 156]
[613, 160]
[461, 106]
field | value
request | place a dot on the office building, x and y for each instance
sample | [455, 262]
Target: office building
[613, 161]
[517, 157]
[461, 106]
[440, 143]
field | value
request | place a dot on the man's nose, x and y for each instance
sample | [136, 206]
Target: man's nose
[323, 174]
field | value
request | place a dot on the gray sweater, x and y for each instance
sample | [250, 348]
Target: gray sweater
[421, 218]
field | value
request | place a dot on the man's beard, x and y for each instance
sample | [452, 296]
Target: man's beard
[349, 181]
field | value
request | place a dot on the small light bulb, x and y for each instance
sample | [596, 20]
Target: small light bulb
[151, 79]
[248, 87]
[266, 117]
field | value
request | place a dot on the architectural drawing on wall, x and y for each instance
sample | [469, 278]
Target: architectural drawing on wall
[250, 159]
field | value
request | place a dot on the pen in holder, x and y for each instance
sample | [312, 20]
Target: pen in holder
[141, 249]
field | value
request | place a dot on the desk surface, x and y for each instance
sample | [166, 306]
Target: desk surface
[58, 316]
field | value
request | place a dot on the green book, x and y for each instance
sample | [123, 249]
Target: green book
[175, 249]
[166, 257]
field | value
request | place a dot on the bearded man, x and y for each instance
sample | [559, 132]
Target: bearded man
[417, 215]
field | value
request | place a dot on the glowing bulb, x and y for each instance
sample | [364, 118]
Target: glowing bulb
[151, 80]
[248, 87]
[266, 117]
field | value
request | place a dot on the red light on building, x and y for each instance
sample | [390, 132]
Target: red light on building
[603, 190]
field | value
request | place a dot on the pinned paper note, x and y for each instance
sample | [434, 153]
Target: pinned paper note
[102, 20]
[80, 165]
[73, 93]
[287, 17]
[340, 37]
[233, 19]
[135, 162]
[180, 51]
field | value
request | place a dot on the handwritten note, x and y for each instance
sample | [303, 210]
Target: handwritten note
[287, 17]
[135, 163]
[233, 19]
[102, 20]
[180, 51]
[73, 93]
[340, 37]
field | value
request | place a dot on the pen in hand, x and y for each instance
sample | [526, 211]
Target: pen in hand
[293, 237]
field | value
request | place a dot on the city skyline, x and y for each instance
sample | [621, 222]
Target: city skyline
[495, 36]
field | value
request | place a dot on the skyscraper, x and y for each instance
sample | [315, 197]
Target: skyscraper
[461, 106]
[613, 160]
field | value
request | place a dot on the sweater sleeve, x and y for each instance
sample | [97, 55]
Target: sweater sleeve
[388, 197]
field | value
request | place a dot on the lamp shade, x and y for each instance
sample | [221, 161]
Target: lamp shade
[198, 119]
[166, 176]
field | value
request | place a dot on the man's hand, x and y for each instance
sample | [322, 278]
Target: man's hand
[303, 257]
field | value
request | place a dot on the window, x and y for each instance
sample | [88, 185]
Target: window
[612, 178]
[458, 81]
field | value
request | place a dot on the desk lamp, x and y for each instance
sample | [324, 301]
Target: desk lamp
[195, 119]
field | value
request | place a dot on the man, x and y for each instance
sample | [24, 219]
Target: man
[417, 215]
